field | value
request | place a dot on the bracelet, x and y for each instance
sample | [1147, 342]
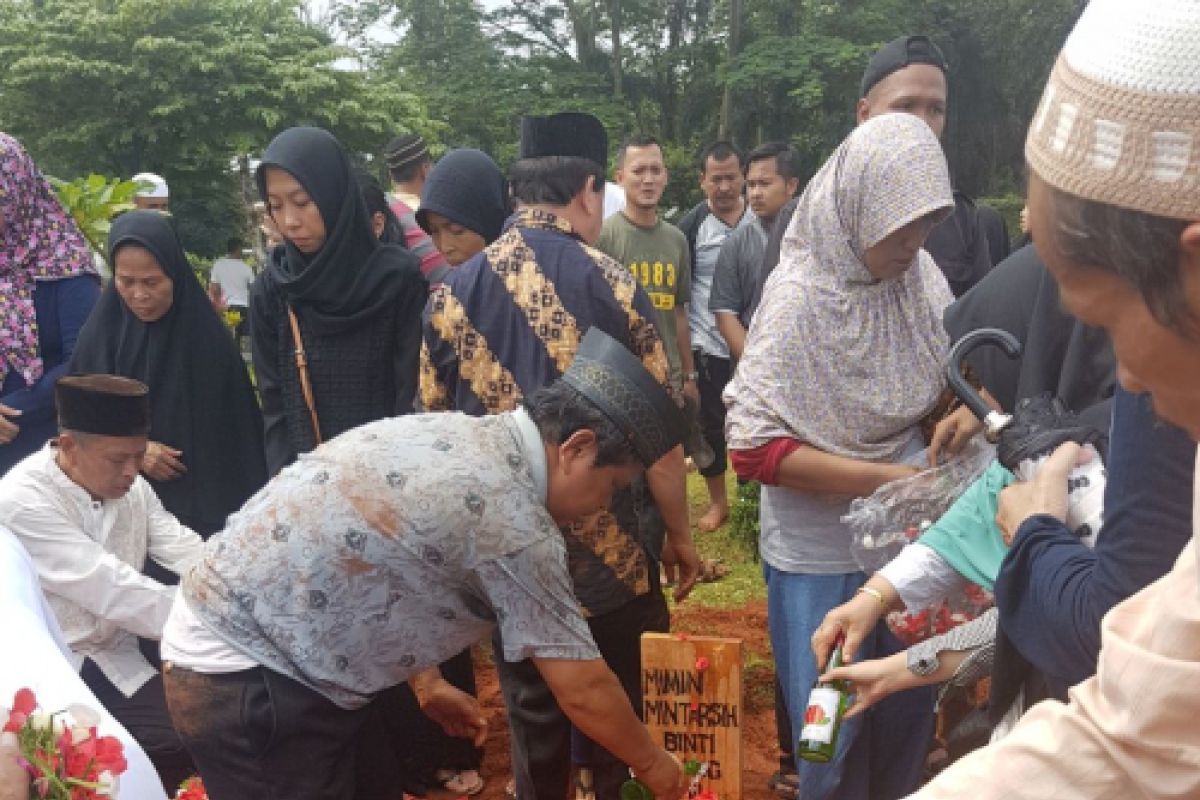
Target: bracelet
[691, 376]
[878, 595]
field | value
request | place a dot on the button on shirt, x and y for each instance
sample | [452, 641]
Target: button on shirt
[88, 556]
[385, 551]
[703, 325]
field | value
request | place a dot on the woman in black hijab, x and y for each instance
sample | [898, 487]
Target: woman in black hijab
[155, 323]
[351, 304]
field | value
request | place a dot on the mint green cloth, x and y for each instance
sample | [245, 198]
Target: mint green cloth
[967, 535]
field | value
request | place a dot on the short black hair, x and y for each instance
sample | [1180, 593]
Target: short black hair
[786, 158]
[720, 151]
[233, 244]
[559, 411]
[553, 180]
[639, 140]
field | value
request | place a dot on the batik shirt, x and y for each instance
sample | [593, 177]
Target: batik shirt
[509, 321]
[389, 549]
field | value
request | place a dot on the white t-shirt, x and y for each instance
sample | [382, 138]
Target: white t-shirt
[235, 278]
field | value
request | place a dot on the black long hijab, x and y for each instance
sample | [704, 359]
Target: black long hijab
[201, 400]
[352, 277]
[1061, 355]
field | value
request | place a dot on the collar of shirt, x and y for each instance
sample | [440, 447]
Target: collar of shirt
[62, 481]
[542, 220]
[535, 451]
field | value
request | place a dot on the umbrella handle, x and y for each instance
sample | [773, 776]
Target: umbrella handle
[994, 422]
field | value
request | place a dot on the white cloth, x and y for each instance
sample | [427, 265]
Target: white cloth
[37, 657]
[1129, 732]
[187, 642]
[234, 277]
[922, 578]
[89, 555]
[614, 199]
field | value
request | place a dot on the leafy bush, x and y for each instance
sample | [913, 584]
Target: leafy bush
[93, 202]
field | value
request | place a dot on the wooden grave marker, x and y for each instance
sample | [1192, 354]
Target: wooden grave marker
[692, 703]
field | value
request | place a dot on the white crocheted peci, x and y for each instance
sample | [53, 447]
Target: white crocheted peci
[1119, 121]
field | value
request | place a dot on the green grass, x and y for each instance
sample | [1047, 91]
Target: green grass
[744, 583]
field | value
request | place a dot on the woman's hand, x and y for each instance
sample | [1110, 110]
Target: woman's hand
[163, 463]
[8, 428]
[952, 434]
[872, 681]
[854, 619]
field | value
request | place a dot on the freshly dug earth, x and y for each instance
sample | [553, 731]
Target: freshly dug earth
[759, 746]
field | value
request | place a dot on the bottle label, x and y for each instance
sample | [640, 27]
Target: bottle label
[821, 714]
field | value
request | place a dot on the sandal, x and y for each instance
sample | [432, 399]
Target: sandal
[712, 569]
[784, 784]
[464, 783]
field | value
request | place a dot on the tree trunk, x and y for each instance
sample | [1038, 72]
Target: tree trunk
[614, 11]
[725, 127]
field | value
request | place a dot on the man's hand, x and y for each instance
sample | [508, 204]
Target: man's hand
[874, 680]
[163, 463]
[855, 619]
[692, 392]
[1046, 493]
[681, 562]
[8, 428]
[14, 780]
[952, 434]
[456, 711]
[665, 777]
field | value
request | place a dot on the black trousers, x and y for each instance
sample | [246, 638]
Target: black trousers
[145, 717]
[541, 733]
[714, 374]
[419, 744]
[258, 734]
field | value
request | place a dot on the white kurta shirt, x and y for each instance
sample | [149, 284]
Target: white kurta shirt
[89, 555]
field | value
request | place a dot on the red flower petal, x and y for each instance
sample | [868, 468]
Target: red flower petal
[24, 701]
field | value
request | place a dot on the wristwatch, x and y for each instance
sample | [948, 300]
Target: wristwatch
[691, 376]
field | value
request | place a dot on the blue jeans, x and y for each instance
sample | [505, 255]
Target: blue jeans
[880, 754]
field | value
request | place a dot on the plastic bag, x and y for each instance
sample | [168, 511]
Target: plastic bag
[885, 522]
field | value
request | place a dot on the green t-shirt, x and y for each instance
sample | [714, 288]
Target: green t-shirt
[658, 257]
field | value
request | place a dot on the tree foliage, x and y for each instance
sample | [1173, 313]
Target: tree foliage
[181, 87]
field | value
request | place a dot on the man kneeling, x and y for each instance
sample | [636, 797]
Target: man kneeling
[393, 547]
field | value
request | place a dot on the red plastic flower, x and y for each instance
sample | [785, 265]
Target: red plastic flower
[702, 664]
[24, 704]
[192, 789]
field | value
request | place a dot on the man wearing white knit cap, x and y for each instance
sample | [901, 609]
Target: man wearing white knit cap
[152, 193]
[1114, 205]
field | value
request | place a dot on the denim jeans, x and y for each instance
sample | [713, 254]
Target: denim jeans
[880, 754]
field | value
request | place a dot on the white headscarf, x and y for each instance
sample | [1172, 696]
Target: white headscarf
[836, 358]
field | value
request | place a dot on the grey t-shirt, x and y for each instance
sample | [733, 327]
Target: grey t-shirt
[701, 323]
[391, 548]
[803, 532]
[735, 286]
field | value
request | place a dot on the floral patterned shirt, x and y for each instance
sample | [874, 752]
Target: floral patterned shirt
[389, 549]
